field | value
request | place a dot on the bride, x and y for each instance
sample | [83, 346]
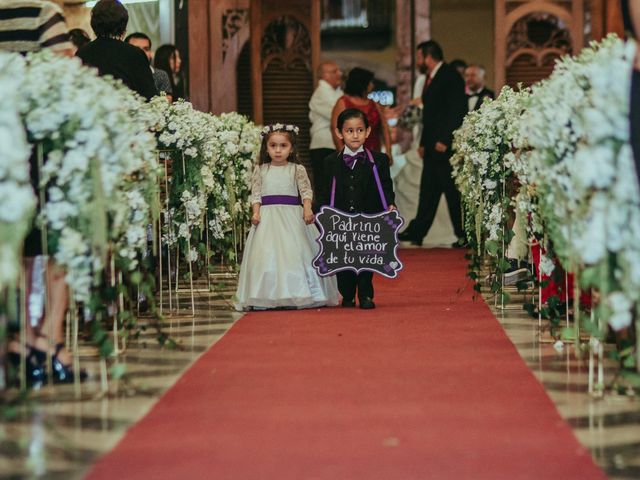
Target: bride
[407, 187]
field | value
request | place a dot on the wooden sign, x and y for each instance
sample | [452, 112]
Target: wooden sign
[358, 242]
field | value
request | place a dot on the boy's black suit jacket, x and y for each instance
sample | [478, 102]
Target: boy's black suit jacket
[365, 194]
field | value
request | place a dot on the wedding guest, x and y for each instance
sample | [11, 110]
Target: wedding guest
[477, 92]
[321, 104]
[444, 106]
[79, 38]
[31, 25]
[110, 55]
[356, 181]
[358, 86]
[459, 65]
[168, 59]
[407, 189]
[160, 77]
[281, 245]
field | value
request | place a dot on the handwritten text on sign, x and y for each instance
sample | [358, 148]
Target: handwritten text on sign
[358, 242]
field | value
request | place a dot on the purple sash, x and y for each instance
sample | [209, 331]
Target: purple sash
[281, 200]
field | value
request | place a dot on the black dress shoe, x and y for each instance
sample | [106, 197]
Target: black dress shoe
[416, 243]
[367, 304]
[143, 306]
[348, 303]
[405, 237]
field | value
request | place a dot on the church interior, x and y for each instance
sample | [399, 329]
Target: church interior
[455, 375]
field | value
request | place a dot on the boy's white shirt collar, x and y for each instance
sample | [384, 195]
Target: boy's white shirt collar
[348, 151]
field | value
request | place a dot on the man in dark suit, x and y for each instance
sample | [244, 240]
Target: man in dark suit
[477, 92]
[444, 105]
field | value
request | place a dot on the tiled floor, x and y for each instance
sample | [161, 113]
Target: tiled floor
[58, 436]
[608, 425]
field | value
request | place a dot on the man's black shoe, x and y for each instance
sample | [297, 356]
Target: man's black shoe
[367, 304]
[348, 303]
[406, 237]
[143, 306]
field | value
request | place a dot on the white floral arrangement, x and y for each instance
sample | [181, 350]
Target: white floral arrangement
[218, 154]
[187, 130]
[237, 146]
[581, 165]
[481, 168]
[17, 197]
[99, 164]
[185, 135]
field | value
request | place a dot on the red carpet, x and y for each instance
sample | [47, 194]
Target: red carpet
[427, 386]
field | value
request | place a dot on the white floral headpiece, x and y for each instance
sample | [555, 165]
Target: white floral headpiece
[279, 127]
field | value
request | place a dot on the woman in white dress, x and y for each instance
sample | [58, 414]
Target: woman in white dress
[407, 187]
[276, 269]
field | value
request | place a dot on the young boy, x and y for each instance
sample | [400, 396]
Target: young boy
[356, 192]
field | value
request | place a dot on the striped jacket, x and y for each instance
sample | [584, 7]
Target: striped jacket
[31, 25]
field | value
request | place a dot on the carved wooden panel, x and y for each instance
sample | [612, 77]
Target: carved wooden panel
[287, 40]
[217, 31]
[538, 33]
[286, 31]
[287, 87]
[233, 20]
[528, 33]
[287, 76]
[529, 69]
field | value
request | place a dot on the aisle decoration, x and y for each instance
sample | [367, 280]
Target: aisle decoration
[237, 144]
[484, 175]
[17, 197]
[211, 158]
[184, 137]
[565, 146]
[95, 148]
[99, 166]
[582, 167]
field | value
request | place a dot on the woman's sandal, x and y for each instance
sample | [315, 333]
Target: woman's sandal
[36, 370]
[64, 373]
[37, 367]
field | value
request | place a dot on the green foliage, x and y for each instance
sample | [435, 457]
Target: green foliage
[633, 378]
[117, 371]
[568, 334]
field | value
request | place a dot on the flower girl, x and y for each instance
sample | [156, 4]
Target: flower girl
[276, 270]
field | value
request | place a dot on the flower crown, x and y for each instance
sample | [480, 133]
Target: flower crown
[279, 127]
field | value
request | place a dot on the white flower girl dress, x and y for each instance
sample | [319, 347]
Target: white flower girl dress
[276, 269]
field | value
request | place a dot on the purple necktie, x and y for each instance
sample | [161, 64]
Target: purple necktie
[349, 160]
